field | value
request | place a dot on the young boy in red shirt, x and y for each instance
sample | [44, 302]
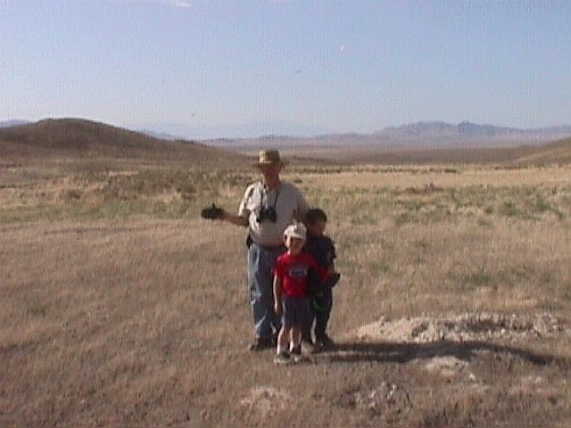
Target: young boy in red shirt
[291, 297]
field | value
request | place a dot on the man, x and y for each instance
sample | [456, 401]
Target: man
[267, 208]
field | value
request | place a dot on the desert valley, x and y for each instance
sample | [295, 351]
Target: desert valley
[121, 307]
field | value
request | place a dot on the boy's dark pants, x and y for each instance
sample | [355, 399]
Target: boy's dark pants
[320, 312]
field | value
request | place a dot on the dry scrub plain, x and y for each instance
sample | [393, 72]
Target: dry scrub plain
[119, 307]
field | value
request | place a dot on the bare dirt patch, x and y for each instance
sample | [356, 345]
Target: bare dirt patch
[465, 327]
[386, 399]
[450, 347]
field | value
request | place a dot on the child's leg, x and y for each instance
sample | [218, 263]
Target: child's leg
[304, 318]
[295, 336]
[322, 315]
[308, 324]
[283, 339]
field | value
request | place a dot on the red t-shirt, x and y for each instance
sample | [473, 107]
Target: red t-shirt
[293, 273]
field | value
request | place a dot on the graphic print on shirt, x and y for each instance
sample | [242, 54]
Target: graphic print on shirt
[298, 271]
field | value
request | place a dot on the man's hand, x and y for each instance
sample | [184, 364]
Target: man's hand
[212, 213]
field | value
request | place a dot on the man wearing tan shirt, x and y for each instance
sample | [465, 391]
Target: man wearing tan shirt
[267, 208]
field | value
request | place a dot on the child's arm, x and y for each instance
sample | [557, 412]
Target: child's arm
[331, 268]
[332, 257]
[277, 295]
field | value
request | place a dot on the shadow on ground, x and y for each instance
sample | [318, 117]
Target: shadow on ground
[405, 352]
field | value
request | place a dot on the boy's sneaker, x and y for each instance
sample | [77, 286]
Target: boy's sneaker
[296, 354]
[323, 341]
[282, 358]
[308, 346]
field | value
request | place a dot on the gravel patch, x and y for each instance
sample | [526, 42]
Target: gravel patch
[464, 327]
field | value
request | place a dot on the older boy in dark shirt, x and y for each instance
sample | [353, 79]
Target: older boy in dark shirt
[322, 248]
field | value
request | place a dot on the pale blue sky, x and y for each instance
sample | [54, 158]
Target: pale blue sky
[303, 66]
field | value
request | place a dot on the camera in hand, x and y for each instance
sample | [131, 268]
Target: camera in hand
[267, 213]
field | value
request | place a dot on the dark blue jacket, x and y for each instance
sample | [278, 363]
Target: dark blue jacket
[322, 249]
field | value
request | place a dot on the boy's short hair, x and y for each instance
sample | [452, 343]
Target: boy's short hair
[314, 215]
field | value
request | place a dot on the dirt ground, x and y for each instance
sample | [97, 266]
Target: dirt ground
[137, 324]
[121, 312]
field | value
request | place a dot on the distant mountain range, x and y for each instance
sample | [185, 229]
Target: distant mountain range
[469, 130]
[412, 131]
[80, 138]
[15, 122]
[234, 131]
[414, 135]
[418, 134]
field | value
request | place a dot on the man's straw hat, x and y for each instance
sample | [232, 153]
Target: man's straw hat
[269, 157]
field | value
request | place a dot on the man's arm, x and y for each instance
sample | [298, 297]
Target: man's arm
[241, 219]
[238, 220]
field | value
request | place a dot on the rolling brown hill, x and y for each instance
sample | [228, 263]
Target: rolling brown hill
[555, 152]
[79, 138]
[85, 139]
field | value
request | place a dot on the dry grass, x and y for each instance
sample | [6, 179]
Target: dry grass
[119, 307]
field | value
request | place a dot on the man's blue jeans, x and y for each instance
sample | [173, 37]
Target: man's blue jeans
[261, 262]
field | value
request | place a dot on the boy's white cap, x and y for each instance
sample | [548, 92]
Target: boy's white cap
[296, 230]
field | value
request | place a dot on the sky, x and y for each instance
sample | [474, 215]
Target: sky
[235, 68]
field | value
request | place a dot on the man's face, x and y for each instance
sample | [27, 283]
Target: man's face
[294, 245]
[271, 172]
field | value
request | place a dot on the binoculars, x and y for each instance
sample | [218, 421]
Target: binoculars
[267, 213]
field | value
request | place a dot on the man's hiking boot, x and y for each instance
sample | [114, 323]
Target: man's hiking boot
[261, 343]
[282, 358]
